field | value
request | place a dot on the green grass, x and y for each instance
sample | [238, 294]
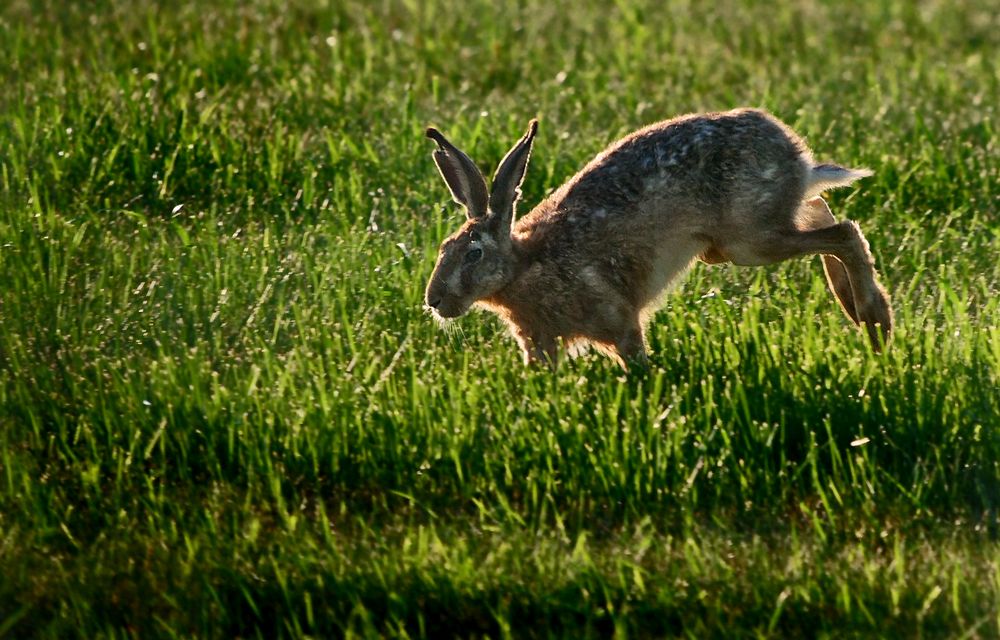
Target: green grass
[224, 413]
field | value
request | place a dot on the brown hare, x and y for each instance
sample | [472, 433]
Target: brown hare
[589, 263]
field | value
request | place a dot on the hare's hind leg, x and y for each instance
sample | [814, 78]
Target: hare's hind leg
[844, 241]
[816, 214]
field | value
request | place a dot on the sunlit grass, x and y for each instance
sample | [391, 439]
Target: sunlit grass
[223, 411]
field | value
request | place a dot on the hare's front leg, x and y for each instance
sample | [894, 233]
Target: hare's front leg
[538, 349]
[631, 347]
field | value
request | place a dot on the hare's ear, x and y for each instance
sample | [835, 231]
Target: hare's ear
[460, 173]
[507, 181]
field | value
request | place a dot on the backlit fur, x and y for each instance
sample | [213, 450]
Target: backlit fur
[588, 264]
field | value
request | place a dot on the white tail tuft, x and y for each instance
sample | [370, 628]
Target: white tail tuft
[831, 176]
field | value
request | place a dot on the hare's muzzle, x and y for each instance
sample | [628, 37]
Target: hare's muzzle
[444, 306]
[436, 304]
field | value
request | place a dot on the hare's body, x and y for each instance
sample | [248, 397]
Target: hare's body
[589, 262]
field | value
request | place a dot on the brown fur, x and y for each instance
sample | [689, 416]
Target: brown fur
[588, 264]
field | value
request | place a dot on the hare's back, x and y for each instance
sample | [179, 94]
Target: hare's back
[703, 162]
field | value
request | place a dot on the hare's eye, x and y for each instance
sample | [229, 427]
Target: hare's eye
[473, 256]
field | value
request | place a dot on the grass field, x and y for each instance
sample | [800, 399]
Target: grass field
[224, 413]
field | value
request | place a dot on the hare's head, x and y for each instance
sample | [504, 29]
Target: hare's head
[478, 260]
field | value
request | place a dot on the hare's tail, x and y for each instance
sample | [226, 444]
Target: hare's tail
[831, 176]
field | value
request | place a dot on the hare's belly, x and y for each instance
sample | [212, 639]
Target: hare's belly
[670, 262]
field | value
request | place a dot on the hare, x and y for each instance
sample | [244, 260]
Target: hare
[589, 263]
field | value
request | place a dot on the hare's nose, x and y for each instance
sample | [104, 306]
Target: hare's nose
[434, 303]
